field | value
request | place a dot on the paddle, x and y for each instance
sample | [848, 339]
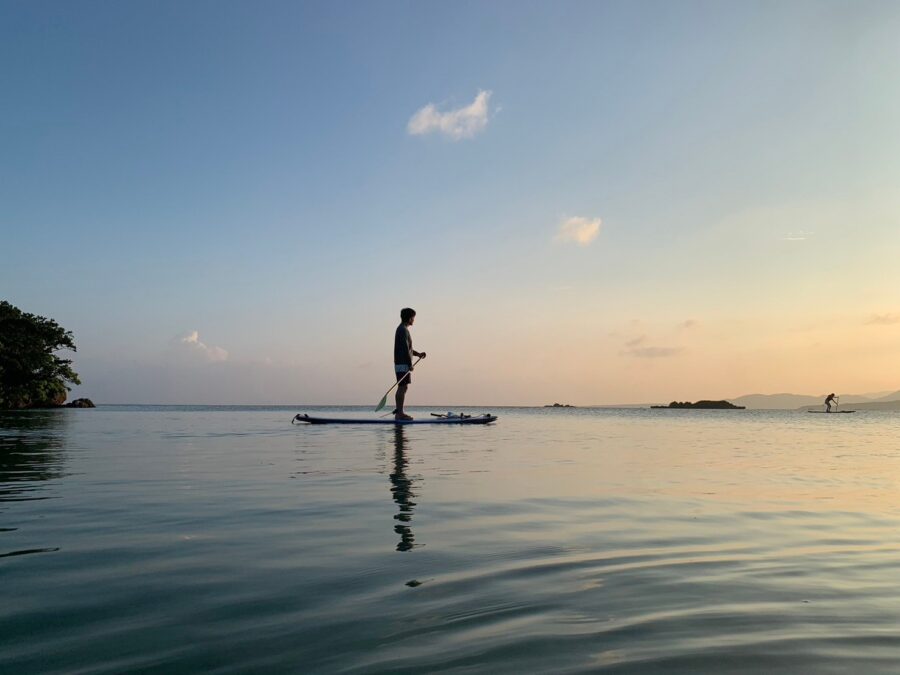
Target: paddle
[384, 398]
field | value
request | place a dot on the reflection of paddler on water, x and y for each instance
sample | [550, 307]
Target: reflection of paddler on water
[401, 489]
[829, 400]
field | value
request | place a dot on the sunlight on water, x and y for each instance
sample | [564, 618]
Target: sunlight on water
[212, 539]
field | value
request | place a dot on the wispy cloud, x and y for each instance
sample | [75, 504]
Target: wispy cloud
[653, 352]
[190, 343]
[886, 319]
[689, 323]
[797, 236]
[578, 229]
[637, 347]
[455, 124]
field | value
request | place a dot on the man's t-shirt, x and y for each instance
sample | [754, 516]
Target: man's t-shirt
[403, 351]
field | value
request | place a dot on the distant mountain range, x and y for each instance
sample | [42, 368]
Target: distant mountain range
[876, 401]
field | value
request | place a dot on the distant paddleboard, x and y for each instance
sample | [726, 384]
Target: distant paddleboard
[435, 419]
[836, 412]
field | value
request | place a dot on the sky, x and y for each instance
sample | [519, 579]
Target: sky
[585, 202]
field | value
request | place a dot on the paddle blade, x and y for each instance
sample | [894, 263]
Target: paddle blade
[381, 403]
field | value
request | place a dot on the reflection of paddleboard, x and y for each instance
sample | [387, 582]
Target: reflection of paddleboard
[454, 419]
[836, 412]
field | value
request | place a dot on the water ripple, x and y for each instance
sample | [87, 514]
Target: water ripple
[217, 540]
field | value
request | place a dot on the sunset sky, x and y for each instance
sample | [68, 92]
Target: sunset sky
[585, 202]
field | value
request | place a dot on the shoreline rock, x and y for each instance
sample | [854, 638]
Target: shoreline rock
[80, 403]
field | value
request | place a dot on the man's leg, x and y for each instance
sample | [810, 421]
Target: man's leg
[401, 396]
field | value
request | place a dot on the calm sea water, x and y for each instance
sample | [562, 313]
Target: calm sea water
[225, 540]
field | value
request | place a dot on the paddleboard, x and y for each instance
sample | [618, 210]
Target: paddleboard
[442, 419]
[836, 412]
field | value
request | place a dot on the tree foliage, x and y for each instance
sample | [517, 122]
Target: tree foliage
[31, 374]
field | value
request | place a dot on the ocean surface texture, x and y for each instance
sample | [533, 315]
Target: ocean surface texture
[225, 540]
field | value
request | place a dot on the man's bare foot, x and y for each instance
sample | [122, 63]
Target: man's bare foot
[402, 416]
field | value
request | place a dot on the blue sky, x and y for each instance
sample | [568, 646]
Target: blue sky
[247, 171]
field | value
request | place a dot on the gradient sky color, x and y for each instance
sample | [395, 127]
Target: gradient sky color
[586, 202]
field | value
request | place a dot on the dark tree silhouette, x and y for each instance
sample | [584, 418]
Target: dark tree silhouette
[31, 374]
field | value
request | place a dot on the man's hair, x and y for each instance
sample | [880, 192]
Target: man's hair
[406, 314]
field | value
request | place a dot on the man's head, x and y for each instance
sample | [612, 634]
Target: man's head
[407, 315]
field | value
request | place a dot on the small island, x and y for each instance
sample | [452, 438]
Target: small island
[559, 405]
[702, 405]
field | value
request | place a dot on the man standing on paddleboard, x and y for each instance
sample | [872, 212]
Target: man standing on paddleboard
[403, 359]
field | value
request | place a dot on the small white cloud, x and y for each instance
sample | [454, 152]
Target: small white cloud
[579, 230]
[191, 343]
[456, 124]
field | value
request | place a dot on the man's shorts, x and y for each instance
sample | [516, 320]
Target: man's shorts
[407, 379]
